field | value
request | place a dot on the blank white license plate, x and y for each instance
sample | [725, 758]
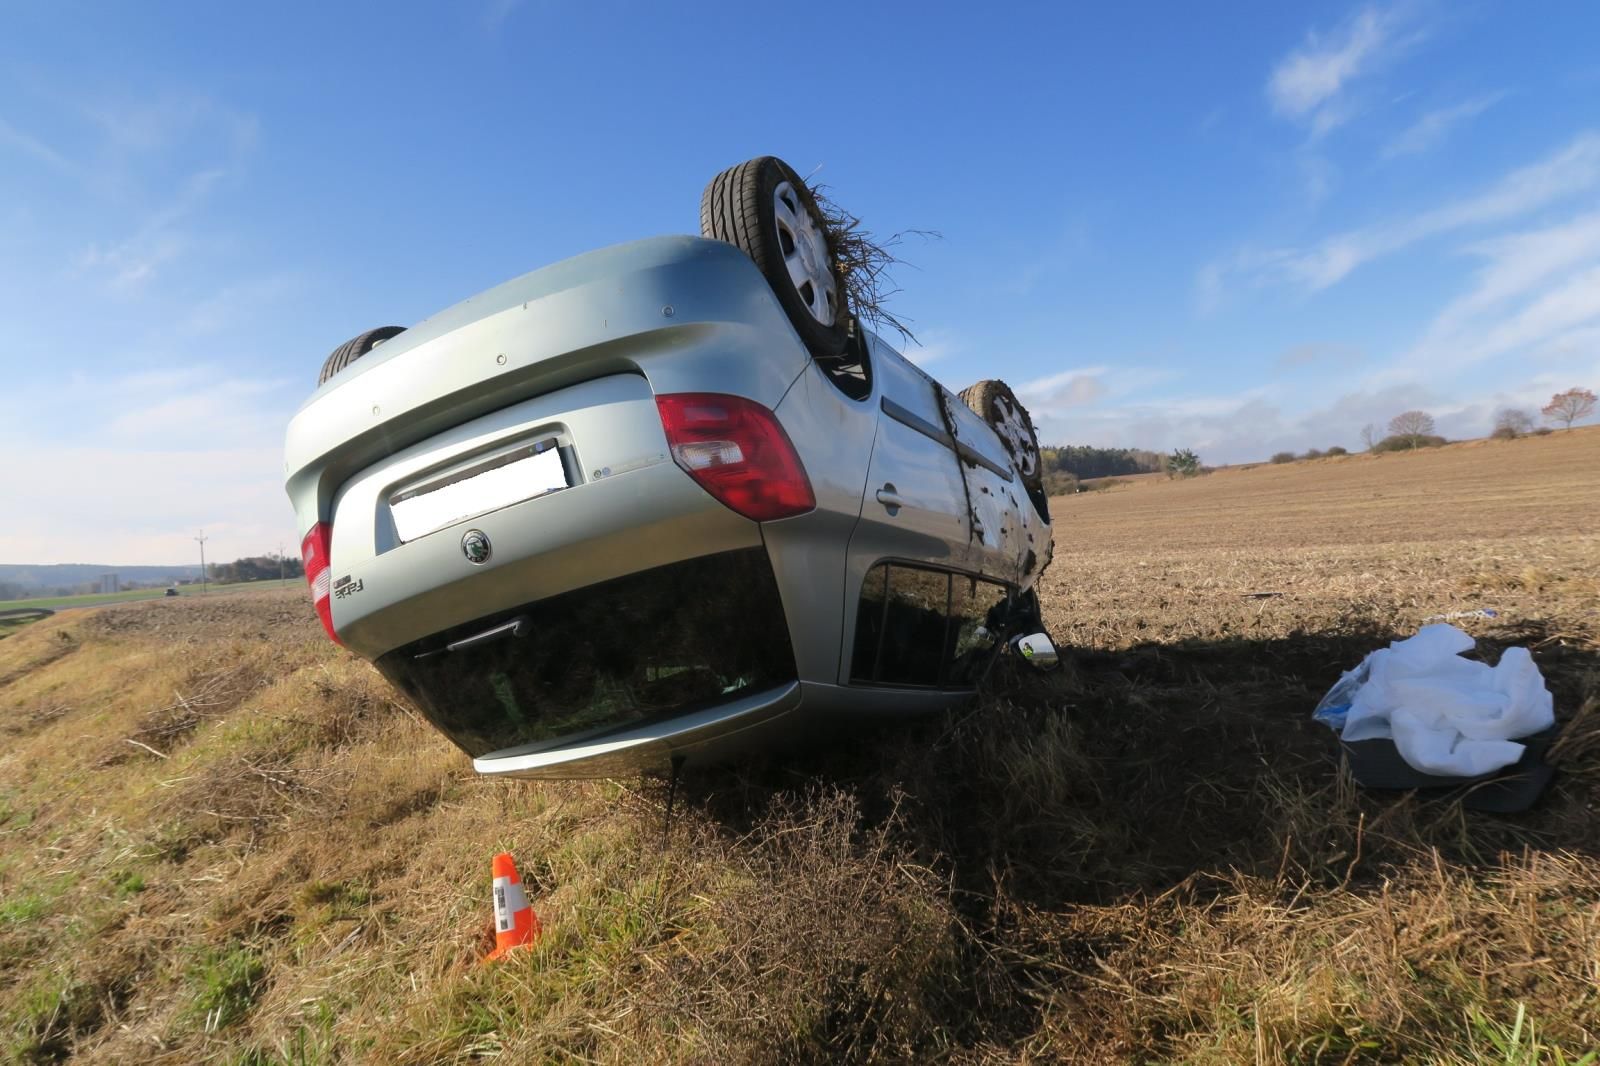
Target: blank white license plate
[488, 486]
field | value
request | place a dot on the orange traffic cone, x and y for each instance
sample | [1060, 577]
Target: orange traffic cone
[515, 924]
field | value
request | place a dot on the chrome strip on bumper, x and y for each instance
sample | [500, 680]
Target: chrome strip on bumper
[643, 747]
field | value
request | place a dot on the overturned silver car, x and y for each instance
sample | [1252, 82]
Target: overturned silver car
[665, 501]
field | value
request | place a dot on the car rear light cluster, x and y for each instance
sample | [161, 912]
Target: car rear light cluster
[314, 553]
[738, 452]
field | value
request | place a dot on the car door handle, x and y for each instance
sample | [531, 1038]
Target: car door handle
[890, 499]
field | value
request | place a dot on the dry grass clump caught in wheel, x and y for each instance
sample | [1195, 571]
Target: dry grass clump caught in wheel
[865, 261]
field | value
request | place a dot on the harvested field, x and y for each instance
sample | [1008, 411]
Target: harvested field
[221, 839]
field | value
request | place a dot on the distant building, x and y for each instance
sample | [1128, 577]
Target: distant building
[108, 583]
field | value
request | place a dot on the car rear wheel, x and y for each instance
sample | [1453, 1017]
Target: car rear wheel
[355, 348]
[764, 208]
[997, 405]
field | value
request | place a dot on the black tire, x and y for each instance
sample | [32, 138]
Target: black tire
[996, 404]
[739, 207]
[355, 348]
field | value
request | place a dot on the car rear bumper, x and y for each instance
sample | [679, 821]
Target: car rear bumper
[708, 735]
[790, 716]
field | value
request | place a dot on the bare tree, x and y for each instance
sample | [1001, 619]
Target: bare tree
[1411, 426]
[1369, 435]
[1568, 407]
[1512, 422]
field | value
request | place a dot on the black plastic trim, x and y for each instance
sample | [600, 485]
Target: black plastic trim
[909, 418]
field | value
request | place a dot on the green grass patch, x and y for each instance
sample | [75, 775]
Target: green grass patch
[225, 984]
[28, 907]
[32, 1033]
[1516, 1040]
[127, 883]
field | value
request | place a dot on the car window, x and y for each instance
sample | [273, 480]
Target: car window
[918, 626]
[975, 607]
[869, 624]
[851, 371]
[603, 657]
[910, 652]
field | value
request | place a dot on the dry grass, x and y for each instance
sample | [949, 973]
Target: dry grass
[222, 840]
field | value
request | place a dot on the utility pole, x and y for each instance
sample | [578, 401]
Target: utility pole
[202, 541]
[280, 564]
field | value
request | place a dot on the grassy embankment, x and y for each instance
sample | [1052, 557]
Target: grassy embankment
[100, 599]
[221, 838]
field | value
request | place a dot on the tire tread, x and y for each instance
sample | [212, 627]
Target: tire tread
[354, 349]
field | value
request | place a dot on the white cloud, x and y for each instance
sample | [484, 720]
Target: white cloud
[1573, 344]
[1309, 83]
[1575, 302]
[1434, 126]
[1537, 297]
[159, 409]
[1314, 73]
[1521, 261]
[1065, 394]
[1572, 170]
[157, 124]
[1250, 426]
[129, 262]
[1067, 389]
[138, 463]
[130, 507]
[135, 424]
[221, 410]
[157, 241]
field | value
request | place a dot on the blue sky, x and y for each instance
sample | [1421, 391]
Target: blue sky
[1237, 228]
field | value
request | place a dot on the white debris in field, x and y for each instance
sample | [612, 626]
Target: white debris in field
[1451, 616]
[1447, 715]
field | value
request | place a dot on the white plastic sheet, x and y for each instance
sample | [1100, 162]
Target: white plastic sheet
[1447, 715]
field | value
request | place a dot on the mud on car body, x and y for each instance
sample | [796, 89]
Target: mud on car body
[664, 501]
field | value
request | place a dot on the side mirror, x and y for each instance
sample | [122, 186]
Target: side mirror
[1037, 651]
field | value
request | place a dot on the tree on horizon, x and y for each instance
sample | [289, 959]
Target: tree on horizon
[1412, 427]
[1570, 406]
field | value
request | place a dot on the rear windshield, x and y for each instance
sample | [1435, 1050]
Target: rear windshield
[644, 646]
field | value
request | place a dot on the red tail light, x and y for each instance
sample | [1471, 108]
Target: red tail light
[314, 553]
[738, 452]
